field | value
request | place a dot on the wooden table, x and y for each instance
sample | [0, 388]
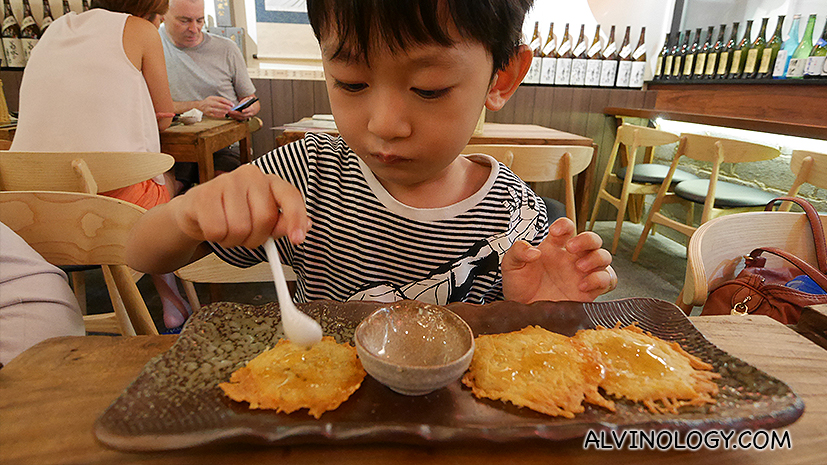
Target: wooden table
[504, 134]
[51, 395]
[197, 142]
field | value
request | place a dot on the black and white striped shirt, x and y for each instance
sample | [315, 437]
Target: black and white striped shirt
[364, 244]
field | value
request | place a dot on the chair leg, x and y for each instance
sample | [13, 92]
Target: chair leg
[192, 296]
[117, 303]
[687, 309]
[594, 212]
[79, 287]
[621, 215]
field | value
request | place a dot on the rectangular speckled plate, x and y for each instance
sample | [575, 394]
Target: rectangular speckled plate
[175, 402]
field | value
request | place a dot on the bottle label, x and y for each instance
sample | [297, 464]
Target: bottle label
[608, 73]
[700, 64]
[736, 61]
[28, 45]
[579, 49]
[658, 66]
[723, 60]
[533, 74]
[624, 73]
[711, 64]
[14, 52]
[688, 65]
[563, 72]
[45, 23]
[638, 71]
[594, 50]
[549, 48]
[752, 58]
[676, 69]
[766, 58]
[27, 21]
[638, 52]
[548, 65]
[814, 66]
[564, 48]
[824, 69]
[578, 72]
[626, 51]
[667, 65]
[593, 72]
[535, 44]
[609, 50]
[780, 64]
[796, 69]
[8, 21]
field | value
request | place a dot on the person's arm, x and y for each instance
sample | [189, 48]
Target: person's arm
[213, 106]
[248, 112]
[240, 208]
[564, 266]
[141, 34]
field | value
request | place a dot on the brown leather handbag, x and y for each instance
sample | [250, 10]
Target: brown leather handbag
[762, 291]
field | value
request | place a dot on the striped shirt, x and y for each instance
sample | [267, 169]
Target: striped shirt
[364, 244]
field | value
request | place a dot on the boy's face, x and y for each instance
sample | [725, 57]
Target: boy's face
[409, 114]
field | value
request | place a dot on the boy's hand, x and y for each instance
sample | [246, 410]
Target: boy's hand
[563, 267]
[242, 207]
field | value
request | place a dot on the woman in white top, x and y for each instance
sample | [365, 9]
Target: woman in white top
[97, 81]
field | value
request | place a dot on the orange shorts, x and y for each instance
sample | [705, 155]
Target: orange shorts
[145, 194]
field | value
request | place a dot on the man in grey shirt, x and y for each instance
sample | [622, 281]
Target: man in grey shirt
[206, 72]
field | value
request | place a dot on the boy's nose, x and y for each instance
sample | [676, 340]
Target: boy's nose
[387, 119]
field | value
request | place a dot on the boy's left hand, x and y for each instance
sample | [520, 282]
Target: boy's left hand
[563, 267]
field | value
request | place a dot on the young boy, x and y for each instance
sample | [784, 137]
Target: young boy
[396, 211]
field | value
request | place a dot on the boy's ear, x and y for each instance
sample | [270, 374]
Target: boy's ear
[509, 78]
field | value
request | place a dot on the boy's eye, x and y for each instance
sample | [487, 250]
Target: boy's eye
[431, 94]
[350, 87]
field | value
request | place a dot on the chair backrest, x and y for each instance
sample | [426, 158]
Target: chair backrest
[211, 269]
[808, 167]
[501, 153]
[640, 136]
[718, 247]
[542, 163]
[69, 228]
[89, 172]
[718, 150]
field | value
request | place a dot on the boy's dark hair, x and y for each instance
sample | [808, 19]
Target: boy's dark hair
[359, 24]
[139, 8]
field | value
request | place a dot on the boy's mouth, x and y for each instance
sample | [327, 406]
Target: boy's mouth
[387, 158]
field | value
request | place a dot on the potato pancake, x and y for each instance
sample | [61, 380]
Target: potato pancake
[643, 368]
[289, 377]
[538, 369]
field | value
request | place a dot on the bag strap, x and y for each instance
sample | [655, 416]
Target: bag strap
[755, 259]
[815, 225]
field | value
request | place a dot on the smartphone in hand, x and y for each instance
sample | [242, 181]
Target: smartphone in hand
[245, 104]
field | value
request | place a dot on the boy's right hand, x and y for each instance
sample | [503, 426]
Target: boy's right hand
[242, 208]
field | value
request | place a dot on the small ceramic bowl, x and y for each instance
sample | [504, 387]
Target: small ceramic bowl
[414, 348]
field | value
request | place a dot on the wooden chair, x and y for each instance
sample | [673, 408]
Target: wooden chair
[211, 269]
[637, 179]
[718, 246]
[69, 228]
[88, 172]
[542, 163]
[717, 197]
[808, 167]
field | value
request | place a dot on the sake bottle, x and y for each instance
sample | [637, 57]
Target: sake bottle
[29, 31]
[66, 8]
[701, 56]
[12, 45]
[608, 68]
[624, 60]
[782, 61]
[47, 17]
[564, 57]
[548, 63]
[639, 63]
[536, 46]
[725, 57]
[770, 53]
[802, 52]
[660, 64]
[739, 54]
[593, 60]
[677, 64]
[756, 49]
[713, 56]
[689, 57]
[85, 5]
[578, 64]
[817, 61]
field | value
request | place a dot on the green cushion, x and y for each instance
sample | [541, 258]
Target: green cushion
[727, 195]
[652, 173]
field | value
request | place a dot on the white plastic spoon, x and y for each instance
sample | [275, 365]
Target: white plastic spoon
[298, 326]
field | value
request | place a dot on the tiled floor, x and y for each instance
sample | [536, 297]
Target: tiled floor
[659, 273]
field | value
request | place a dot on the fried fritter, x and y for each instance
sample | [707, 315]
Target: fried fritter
[643, 368]
[538, 369]
[289, 377]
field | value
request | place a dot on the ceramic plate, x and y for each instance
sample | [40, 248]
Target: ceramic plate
[175, 402]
